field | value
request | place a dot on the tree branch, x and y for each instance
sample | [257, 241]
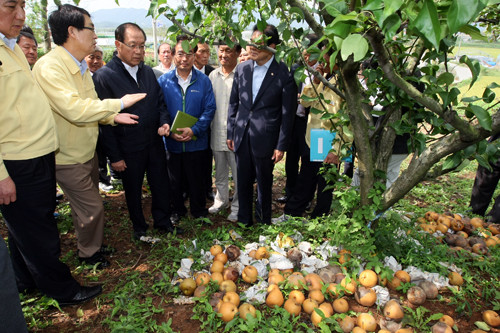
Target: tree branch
[308, 16]
[420, 165]
[193, 35]
[467, 132]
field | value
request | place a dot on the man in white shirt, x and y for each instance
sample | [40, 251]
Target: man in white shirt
[222, 82]
[165, 56]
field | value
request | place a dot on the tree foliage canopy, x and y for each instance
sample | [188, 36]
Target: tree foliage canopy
[407, 46]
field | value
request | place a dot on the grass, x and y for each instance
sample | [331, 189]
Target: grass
[137, 302]
[484, 49]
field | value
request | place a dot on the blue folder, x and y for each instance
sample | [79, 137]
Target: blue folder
[321, 144]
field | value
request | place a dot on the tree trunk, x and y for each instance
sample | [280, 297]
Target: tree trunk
[45, 22]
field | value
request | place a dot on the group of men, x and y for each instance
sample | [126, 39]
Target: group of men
[52, 116]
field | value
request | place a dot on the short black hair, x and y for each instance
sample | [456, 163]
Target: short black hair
[120, 31]
[27, 32]
[64, 17]
[181, 38]
[271, 32]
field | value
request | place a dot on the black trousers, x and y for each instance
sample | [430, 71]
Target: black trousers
[151, 161]
[309, 181]
[186, 171]
[104, 177]
[484, 187]
[33, 236]
[295, 153]
[11, 314]
[249, 168]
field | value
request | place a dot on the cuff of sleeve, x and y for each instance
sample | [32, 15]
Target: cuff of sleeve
[3, 171]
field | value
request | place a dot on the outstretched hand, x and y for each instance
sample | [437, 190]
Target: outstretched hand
[130, 99]
[126, 119]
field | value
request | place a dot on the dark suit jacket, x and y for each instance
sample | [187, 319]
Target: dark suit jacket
[269, 119]
[114, 81]
[208, 70]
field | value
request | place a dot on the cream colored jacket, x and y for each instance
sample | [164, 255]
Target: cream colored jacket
[77, 110]
[314, 121]
[27, 128]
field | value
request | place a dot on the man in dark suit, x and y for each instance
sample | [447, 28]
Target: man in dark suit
[137, 150]
[260, 120]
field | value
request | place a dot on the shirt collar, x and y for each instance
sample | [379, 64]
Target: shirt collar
[180, 78]
[201, 69]
[219, 70]
[81, 64]
[10, 42]
[130, 68]
[267, 64]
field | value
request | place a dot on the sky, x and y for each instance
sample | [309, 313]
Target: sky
[94, 5]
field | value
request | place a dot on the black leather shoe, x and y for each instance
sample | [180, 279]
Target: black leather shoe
[170, 229]
[282, 199]
[97, 258]
[83, 295]
[106, 250]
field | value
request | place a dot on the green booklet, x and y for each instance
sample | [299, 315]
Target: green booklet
[182, 120]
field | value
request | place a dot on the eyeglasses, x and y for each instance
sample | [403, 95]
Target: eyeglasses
[183, 54]
[90, 28]
[135, 47]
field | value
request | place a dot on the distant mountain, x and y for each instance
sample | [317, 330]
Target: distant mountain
[111, 18]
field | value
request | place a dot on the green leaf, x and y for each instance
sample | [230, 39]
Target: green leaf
[308, 99]
[460, 13]
[445, 78]
[299, 75]
[335, 7]
[449, 97]
[493, 85]
[195, 17]
[435, 316]
[474, 67]
[374, 5]
[488, 95]
[391, 26]
[340, 29]
[391, 6]
[297, 11]
[356, 45]
[482, 325]
[482, 115]
[427, 23]
[261, 25]
[286, 34]
[186, 47]
[451, 162]
[473, 32]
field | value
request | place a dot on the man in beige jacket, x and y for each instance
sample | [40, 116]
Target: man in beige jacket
[66, 81]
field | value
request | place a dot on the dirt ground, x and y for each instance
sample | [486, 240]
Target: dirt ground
[132, 256]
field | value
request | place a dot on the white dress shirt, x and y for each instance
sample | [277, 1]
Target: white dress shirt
[259, 73]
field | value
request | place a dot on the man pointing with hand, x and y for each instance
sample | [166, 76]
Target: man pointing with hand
[64, 77]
